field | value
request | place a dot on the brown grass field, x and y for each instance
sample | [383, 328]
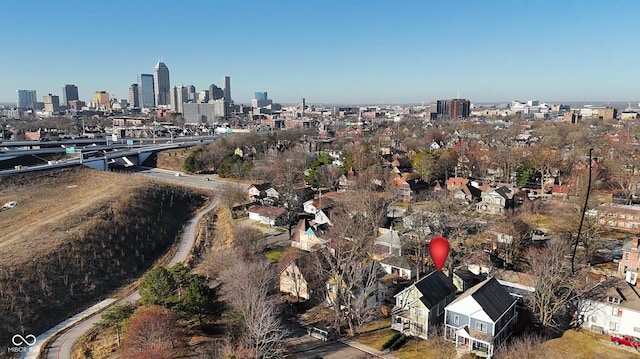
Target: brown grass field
[75, 236]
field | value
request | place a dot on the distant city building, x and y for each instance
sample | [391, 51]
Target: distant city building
[203, 96]
[101, 100]
[161, 84]
[215, 92]
[226, 86]
[12, 114]
[210, 113]
[260, 99]
[134, 98]
[27, 99]
[192, 95]
[452, 108]
[76, 105]
[303, 104]
[51, 103]
[146, 95]
[69, 93]
[178, 96]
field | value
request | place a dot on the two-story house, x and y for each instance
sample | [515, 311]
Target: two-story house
[617, 312]
[306, 237]
[496, 201]
[422, 305]
[629, 264]
[263, 192]
[482, 318]
[388, 243]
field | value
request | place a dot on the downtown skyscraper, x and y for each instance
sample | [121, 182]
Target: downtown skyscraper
[146, 95]
[161, 84]
[27, 99]
[69, 93]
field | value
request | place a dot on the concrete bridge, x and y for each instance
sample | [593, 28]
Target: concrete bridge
[101, 160]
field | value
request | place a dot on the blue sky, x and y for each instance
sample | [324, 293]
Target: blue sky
[342, 51]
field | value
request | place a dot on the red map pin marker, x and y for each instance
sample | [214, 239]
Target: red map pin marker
[439, 250]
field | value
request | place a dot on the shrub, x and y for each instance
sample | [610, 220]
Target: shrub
[390, 341]
[398, 343]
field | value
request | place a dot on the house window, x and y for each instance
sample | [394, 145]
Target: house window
[613, 300]
[418, 312]
[614, 326]
[626, 256]
[480, 326]
[616, 312]
[456, 320]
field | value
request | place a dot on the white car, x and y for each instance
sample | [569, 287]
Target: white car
[178, 174]
[10, 205]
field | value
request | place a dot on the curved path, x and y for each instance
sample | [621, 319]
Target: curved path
[61, 347]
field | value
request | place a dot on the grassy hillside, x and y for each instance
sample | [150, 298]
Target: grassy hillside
[77, 234]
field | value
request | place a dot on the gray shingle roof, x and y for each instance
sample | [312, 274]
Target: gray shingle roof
[434, 288]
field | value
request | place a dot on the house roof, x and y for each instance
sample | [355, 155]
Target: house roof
[267, 211]
[505, 192]
[434, 288]
[261, 186]
[491, 296]
[629, 295]
[391, 238]
[398, 262]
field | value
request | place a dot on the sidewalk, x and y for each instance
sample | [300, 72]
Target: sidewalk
[367, 349]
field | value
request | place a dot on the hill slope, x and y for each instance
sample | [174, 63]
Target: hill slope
[77, 234]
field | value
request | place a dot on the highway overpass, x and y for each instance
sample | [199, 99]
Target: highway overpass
[100, 160]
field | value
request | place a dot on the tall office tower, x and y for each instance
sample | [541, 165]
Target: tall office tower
[51, 103]
[161, 84]
[69, 93]
[134, 99]
[203, 96]
[260, 96]
[178, 96]
[192, 95]
[303, 104]
[101, 99]
[226, 87]
[145, 91]
[215, 92]
[27, 99]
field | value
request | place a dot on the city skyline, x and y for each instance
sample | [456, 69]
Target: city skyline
[361, 52]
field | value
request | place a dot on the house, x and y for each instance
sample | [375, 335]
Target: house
[466, 192]
[399, 266]
[266, 214]
[455, 182]
[619, 216]
[388, 243]
[518, 284]
[465, 279]
[629, 264]
[617, 312]
[263, 190]
[305, 237]
[496, 201]
[300, 276]
[482, 318]
[422, 305]
[408, 189]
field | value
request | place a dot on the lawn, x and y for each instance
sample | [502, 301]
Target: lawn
[585, 344]
[274, 255]
[413, 349]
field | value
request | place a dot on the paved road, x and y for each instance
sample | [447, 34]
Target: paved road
[61, 347]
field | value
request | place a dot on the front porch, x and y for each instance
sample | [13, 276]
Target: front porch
[462, 338]
[402, 322]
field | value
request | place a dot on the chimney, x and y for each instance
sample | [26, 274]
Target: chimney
[634, 242]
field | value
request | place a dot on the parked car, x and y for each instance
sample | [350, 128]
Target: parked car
[627, 340]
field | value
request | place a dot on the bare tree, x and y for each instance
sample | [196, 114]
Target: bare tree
[352, 274]
[153, 329]
[247, 287]
[232, 195]
[558, 290]
[288, 172]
